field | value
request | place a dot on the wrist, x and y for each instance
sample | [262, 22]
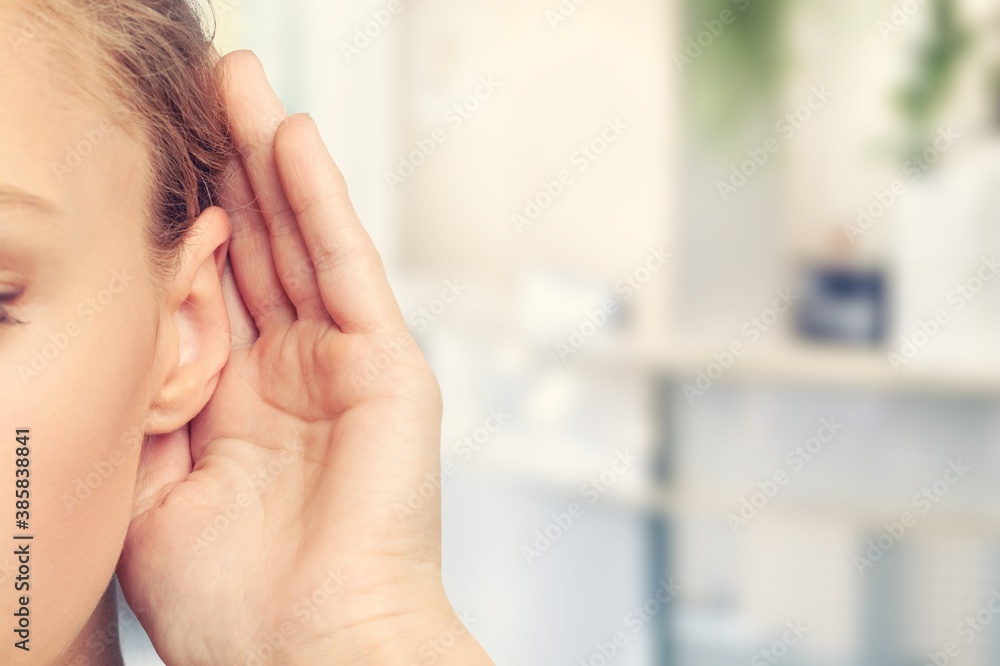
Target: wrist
[441, 637]
[438, 635]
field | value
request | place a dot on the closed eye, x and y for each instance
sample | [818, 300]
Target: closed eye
[5, 318]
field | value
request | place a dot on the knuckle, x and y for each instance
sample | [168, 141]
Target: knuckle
[329, 259]
[283, 222]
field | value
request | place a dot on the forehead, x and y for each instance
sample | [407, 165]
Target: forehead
[56, 146]
[37, 110]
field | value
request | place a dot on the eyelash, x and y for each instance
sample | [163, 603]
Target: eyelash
[5, 318]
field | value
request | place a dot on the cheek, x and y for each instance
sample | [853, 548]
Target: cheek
[84, 405]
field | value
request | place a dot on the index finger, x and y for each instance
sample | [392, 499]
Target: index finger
[351, 276]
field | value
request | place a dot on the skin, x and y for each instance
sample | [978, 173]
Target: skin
[63, 236]
[247, 393]
[317, 453]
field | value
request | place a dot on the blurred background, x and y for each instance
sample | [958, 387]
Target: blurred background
[709, 288]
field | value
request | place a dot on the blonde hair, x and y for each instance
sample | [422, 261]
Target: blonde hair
[155, 67]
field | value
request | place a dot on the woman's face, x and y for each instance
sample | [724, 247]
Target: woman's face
[76, 372]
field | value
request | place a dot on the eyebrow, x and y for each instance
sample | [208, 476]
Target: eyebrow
[17, 199]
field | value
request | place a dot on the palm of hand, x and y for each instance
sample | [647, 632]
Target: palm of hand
[261, 520]
[277, 510]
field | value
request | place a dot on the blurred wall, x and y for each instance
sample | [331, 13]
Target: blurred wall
[594, 215]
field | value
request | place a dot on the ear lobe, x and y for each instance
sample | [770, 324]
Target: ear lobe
[193, 343]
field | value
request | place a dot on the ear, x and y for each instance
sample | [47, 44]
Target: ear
[193, 342]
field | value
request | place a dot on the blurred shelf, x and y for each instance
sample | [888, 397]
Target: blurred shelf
[674, 502]
[857, 515]
[815, 366]
[779, 359]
